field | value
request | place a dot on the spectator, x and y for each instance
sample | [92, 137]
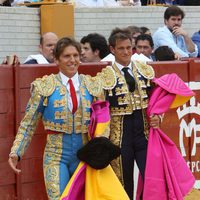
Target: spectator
[130, 2]
[173, 35]
[180, 2]
[94, 47]
[167, 2]
[5, 3]
[145, 30]
[196, 40]
[144, 45]
[191, 2]
[135, 31]
[164, 53]
[47, 43]
[149, 2]
[96, 3]
[144, 2]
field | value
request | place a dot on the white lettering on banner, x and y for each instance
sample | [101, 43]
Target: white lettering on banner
[194, 166]
[192, 129]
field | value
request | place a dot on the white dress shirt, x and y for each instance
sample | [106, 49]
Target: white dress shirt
[120, 67]
[76, 83]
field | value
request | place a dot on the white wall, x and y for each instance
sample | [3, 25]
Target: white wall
[104, 20]
[20, 26]
[19, 31]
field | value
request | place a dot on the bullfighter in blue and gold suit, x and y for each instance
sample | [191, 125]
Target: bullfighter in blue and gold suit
[51, 101]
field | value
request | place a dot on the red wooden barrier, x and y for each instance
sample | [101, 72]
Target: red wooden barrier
[192, 128]
[7, 126]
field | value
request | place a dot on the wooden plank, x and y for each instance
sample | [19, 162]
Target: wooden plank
[6, 100]
[6, 77]
[7, 192]
[5, 144]
[52, 15]
[34, 191]
[32, 170]
[28, 73]
[7, 125]
[7, 176]
[166, 67]
[25, 93]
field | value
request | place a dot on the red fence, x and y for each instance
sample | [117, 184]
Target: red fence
[181, 125]
[7, 131]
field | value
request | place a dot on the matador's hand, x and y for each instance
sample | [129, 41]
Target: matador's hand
[155, 121]
[13, 160]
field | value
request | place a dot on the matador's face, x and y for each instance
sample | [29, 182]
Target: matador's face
[122, 51]
[69, 60]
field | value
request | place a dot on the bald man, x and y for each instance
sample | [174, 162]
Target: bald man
[47, 43]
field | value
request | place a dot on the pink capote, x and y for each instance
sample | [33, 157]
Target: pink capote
[167, 176]
[92, 184]
[100, 114]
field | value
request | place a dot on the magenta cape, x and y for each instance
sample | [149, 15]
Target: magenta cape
[91, 184]
[167, 176]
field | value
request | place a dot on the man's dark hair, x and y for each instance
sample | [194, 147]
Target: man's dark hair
[145, 37]
[119, 34]
[173, 11]
[97, 42]
[134, 29]
[41, 39]
[63, 43]
[144, 29]
[164, 53]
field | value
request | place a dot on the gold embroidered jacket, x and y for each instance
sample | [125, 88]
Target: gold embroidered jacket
[49, 102]
[124, 102]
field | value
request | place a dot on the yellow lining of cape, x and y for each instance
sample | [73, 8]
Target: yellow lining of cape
[179, 101]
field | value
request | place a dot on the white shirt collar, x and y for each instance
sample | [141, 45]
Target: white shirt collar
[75, 80]
[120, 67]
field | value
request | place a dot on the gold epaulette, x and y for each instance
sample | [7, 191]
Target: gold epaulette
[145, 70]
[45, 85]
[93, 84]
[108, 78]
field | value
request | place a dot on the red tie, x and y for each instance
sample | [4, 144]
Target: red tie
[73, 96]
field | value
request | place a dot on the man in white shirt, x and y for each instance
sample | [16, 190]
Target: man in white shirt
[144, 45]
[173, 35]
[47, 43]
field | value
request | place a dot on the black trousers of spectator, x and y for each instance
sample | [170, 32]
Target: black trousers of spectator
[144, 2]
[133, 147]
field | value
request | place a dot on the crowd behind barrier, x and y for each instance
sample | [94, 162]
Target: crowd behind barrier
[109, 3]
[181, 125]
[14, 44]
